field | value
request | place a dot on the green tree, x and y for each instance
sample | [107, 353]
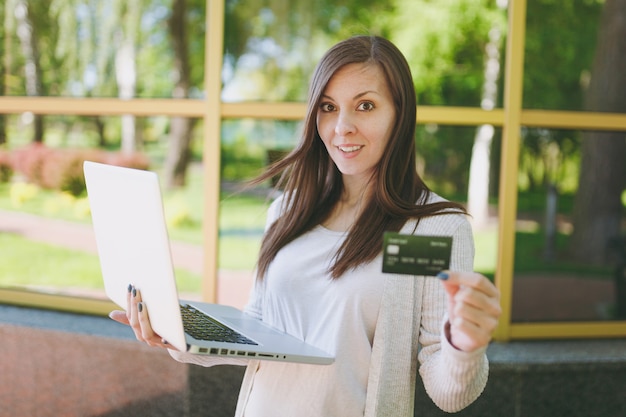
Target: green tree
[3, 72]
[27, 32]
[273, 46]
[126, 36]
[557, 63]
[560, 40]
[179, 152]
[445, 44]
[85, 51]
[598, 209]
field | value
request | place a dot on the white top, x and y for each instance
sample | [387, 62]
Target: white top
[338, 316]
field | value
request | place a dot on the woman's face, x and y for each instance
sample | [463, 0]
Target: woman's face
[355, 119]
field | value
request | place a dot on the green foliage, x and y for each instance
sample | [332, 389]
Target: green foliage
[272, 47]
[242, 213]
[549, 157]
[241, 160]
[533, 203]
[560, 44]
[529, 249]
[444, 154]
[444, 42]
[6, 167]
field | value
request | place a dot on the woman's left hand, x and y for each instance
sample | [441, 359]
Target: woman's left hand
[473, 309]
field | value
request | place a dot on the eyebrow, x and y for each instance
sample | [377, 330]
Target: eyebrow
[358, 96]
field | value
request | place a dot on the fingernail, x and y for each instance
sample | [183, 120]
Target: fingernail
[134, 292]
[130, 287]
[140, 307]
[443, 276]
[164, 342]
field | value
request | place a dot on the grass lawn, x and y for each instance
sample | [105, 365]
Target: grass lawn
[486, 246]
[38, 265]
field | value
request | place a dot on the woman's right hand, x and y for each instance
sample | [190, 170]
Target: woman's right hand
[136, 316]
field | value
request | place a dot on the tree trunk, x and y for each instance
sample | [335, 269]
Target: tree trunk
[126, 75]
[598, 208]
[178, 154]
[28, 41]
[97, 120]
[478, 189]
[126, 70]
[4, 46]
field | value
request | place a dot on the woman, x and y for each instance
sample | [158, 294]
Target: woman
[319, 275]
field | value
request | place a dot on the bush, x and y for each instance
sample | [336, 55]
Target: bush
[240, 160]
[28, 161]
[62, 169]
[6, 166]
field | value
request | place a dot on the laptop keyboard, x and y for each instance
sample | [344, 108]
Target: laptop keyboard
[203, 327]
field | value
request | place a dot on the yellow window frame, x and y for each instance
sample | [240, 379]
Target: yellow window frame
[511, 118]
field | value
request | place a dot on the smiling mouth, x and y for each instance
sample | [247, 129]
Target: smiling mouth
[349, 149]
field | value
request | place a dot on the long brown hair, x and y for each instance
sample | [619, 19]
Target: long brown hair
[313, 184]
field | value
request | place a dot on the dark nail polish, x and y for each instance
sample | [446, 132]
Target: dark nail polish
[443, 276]
[140, 307]
[134, 292]
[130, 287]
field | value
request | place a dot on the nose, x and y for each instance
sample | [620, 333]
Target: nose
[345, 125]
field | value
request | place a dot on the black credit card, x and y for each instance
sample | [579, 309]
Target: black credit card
[416, 255]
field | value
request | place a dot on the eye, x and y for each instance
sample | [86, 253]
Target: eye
[366, 106]
[327, 107]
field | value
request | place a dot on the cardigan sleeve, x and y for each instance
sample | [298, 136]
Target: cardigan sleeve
[452, 378]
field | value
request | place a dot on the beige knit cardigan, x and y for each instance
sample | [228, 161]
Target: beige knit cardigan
[410, 326]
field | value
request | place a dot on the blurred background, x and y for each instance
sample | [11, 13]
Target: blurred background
[208, 119]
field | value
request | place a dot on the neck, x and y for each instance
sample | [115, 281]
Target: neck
[348, 208]
[354, 192]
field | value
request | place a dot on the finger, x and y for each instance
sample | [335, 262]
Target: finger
[479, 300]
[466, 336]
[452, 279]
[140, 321]
[473, 319]
[477, 317]
[119, 316]
[144, 322]
[135, 299]
[128, 293]
[147, 333]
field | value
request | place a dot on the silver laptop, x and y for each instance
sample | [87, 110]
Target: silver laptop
[133, 247]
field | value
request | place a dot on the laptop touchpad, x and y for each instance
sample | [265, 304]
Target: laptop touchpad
[252, 325]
